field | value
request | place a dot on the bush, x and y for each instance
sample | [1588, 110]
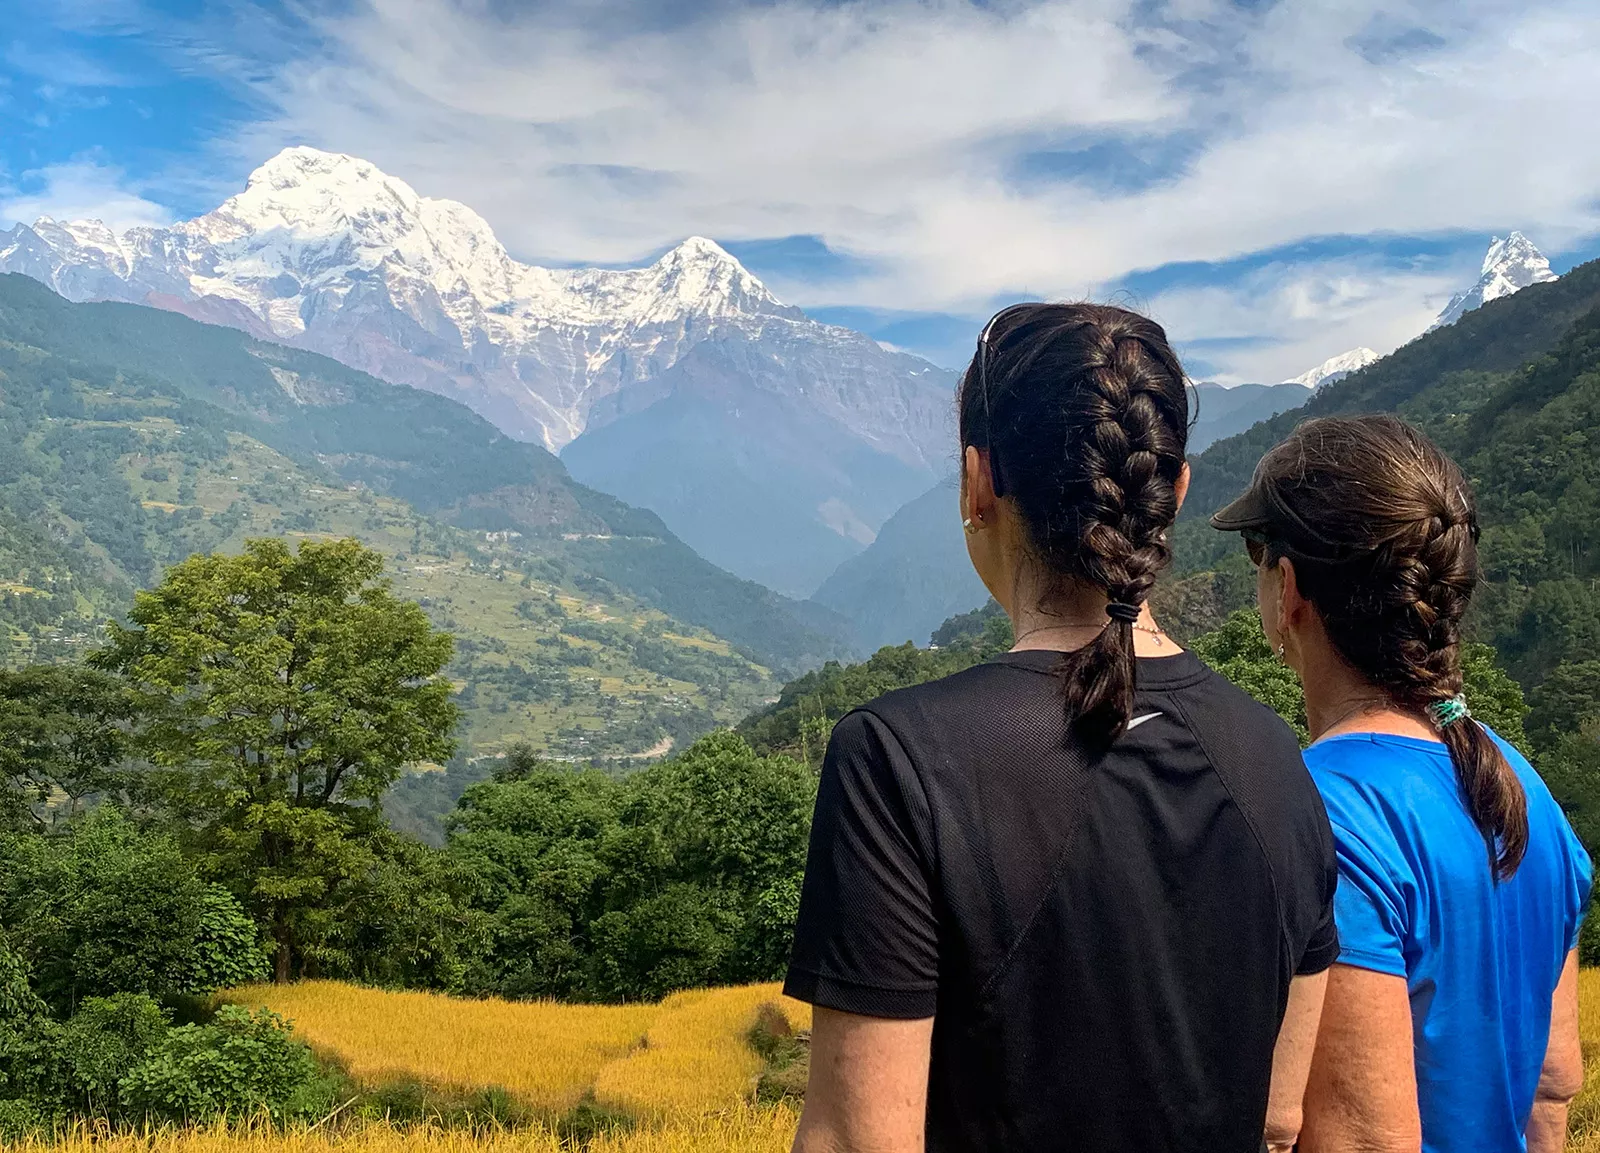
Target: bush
[106, 908]
[241, 1065]
[106, 1039]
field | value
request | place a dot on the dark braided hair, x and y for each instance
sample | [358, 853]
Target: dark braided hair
[1391, 572]
[1084, 413]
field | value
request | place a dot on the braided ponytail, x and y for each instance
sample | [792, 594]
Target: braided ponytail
[1083, 411]
[1398, 514]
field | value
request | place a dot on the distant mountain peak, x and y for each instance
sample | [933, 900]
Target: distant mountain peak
[327, 251]
[1511, 264]
[1335, 368]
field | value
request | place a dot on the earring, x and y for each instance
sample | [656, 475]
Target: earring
[1280, 650]
[972, 529]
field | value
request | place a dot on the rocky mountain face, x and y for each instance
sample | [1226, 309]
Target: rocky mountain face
[328, 253]
[1510, 265]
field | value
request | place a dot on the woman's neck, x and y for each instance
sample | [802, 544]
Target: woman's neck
[1072, 621]
[1339, 700]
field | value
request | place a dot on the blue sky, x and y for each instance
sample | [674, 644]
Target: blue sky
[1276, 182]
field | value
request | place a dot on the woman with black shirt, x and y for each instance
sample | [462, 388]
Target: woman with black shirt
[1079, 897]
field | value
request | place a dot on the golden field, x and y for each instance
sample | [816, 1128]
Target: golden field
[681, 1058]
[686, 1073]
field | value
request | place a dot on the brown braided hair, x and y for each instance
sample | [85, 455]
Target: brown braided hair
[1084, 413]
[1391, 569]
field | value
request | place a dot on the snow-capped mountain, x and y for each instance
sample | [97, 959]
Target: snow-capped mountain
[711, 390]
[328, 252]
[1510, 265]
[1335, 368]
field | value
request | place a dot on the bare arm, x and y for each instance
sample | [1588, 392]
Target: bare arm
[1562, 1075]
[1291, 1061]
[1362, 1096]
[868, 1091]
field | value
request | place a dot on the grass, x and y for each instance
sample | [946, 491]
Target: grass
[685, 1070]
[1584, 1123]
[696, 1057]
[740, 1130]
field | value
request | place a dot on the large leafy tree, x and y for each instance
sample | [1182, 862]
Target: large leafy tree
[63, 737]
[283, 693]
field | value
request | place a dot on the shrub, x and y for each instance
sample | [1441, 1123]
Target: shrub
[241, 1065]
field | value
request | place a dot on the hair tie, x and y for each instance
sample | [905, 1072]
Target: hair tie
[1447, 712]
[1123, 611]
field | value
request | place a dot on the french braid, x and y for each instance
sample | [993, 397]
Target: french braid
[1381, 494]
[1086, 422]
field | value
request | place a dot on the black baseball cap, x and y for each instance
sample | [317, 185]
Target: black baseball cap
[1262, 509]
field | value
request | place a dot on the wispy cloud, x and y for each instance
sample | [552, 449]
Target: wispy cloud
[81, 189]
[950, 152]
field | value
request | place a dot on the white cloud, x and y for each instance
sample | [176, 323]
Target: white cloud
[78, 190]
[603, 131]
[1277, 322]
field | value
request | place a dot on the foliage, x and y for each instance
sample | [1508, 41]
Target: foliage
[103, 908]
[63, 733]
[283, 693]
[1240, 652]
[807, 709]
[684, 874]
[241, 1064]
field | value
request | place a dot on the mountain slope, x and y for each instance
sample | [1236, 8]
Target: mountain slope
[1335, 368]
[915, 576]
[1219, 412]
[421, 448]
[731, 460]
[328, 253]
[1496, 338]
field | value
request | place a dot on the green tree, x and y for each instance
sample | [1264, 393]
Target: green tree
[1564, 702]
[1239, 651]
[104, 908]
[686, 873]
[63, 734]
[283, 694]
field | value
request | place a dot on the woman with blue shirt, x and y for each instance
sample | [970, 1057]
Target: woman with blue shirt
[1451, 1018]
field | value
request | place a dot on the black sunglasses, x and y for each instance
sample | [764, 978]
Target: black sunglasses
[1257, 544]
[983, 391]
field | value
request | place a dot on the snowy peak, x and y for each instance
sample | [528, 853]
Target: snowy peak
[329, 252]
[1335, 368]
[1510, 265]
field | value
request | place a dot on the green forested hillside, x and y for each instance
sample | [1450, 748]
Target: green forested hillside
[106, 481]
[1512, 391]
[1442, 373]
[350, 428]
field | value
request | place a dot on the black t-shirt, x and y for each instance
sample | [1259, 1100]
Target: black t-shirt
[1105, 942]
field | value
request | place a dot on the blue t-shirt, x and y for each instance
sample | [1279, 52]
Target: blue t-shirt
[1416, 900]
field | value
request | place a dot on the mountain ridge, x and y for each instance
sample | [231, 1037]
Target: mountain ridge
[327, 252]
[424, 449]
[1511, 264]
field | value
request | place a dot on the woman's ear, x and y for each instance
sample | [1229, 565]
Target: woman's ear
[977, 486]
[1292, 604]
[1180, 487]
